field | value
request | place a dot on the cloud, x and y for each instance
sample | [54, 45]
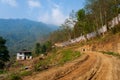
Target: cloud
[55, 16]
[12, 3]
[34, 4]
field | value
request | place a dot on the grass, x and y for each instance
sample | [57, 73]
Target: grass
[111, 53]
[17, 64]
[18, 75]
[14, 76]
[57, 58]
[68, 55]
[25, 73]
[2, 71]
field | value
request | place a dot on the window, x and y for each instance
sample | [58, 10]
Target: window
[20, 53]
[20, 57]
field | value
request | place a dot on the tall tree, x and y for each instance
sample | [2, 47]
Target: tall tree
[37, 49]
[4, 54]
[48, 45]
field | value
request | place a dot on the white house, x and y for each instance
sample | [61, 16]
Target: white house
[24, 55]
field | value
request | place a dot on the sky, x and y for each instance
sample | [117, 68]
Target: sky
[47, 11]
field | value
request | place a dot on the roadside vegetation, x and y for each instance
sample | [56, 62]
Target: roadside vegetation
[87, 20]
[111, 53]
[4, 53]
[57, 59]
[17, 75]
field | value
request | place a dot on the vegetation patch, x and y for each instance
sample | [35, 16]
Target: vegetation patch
[14, 76]
[25, 73]
[57, 58]
[2, 71]
[111, 53]
[68, 55]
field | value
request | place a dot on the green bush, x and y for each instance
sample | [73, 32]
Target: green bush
[2, 64]
[15, 76]
[116, 29]
[25, 73]
[57, 58]
[41, 65]
[17, 64]
[111, 53]
[68, 55]
[2, 71]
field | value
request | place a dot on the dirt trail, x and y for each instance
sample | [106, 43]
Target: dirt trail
[91, 66]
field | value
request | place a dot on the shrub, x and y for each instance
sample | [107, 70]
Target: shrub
[25, 73]
[57, 58]
[2, 71]
[15, 76]
[42, 65]
[2, 64]
[68, 55]
[111, 53]
[116, 29]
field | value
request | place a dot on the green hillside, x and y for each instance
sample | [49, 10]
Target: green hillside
[23, 33]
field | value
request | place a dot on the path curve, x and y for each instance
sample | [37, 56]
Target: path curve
[91, 66]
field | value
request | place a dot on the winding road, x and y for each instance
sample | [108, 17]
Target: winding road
[90, 66]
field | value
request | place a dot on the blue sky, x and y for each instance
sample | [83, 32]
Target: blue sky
[47, 11]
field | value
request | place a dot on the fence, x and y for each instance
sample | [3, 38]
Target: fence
[102, 30]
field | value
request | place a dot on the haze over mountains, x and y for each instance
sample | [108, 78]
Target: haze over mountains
[23, 33]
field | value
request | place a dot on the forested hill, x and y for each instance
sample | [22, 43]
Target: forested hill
[23, 33]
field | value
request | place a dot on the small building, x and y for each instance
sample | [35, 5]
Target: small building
[24, 55]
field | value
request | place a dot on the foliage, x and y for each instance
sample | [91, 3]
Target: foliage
[23, 34]
[25, 73]
[89, 19]
[111, 53]
[56, 58]
[2, 64]
[58, 36]
[37, 49]
[65, 32]
[4, 56]
[15, 76]
[48, 45]
[16, 64]
[2, 71]
[68, 55]
[81, 15]
[18, 76]
[42, 49]
[116, 29]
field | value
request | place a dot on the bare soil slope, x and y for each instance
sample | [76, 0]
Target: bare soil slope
[92, 66]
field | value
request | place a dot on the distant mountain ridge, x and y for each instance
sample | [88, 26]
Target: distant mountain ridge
[23, 33]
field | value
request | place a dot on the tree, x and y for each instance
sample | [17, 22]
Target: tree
[91, 18]
[48, 45]
[83, 25]
[44, 48]
[81, 15]
[4, 54]
[37, 49]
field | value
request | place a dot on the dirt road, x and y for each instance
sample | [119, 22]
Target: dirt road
[91, 66]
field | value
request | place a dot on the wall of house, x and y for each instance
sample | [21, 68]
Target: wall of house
[20, 56]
